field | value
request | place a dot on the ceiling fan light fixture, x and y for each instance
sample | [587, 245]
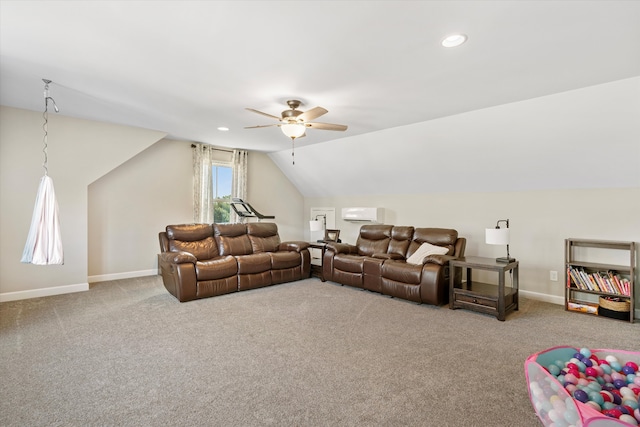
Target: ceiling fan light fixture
[293, 130]
[454, 40]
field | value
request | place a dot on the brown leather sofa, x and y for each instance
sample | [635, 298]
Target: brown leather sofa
[378, 262]
[205, 260]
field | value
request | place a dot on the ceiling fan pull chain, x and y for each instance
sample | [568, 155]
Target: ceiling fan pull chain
[293, 146]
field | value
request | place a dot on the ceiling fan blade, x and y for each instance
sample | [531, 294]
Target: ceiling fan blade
[326, 126]
[261, 126]
[312, 114]
[265, 114]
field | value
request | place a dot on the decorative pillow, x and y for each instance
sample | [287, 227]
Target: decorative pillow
[424, 251]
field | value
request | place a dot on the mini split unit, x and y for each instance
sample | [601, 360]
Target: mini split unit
[363, 214]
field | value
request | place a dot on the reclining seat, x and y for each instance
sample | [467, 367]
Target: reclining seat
[398, 245]
[289, 261]
[191, 265]
[254, 269]
[344, 263]
[428, 281]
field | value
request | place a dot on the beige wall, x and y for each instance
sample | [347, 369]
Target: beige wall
[539, 222]
[132, 203]
[80, 151]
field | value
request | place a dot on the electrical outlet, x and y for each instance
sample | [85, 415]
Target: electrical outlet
[553, 276]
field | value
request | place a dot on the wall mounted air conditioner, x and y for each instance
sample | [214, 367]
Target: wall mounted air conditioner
[363, 214]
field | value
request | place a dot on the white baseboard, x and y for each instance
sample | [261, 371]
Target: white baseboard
[43, 292]
[553, 299]
[125, 275]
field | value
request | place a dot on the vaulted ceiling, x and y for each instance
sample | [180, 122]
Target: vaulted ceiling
[189, 67]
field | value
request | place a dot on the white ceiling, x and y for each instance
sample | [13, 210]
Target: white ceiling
[187, 67]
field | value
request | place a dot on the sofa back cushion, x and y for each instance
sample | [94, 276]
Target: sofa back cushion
[232, 239]
[445, 237]
[373, 239]
[196, 239]
[400, 239]
[263, 236]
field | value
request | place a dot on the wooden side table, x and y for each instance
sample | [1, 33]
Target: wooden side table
[485, 298]
[316, 249]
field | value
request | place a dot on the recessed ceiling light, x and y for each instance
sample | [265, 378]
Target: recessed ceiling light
[223, 129]
[454, 40]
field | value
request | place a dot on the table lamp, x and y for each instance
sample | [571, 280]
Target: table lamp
[499, 236]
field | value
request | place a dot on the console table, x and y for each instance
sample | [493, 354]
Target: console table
[486, 298]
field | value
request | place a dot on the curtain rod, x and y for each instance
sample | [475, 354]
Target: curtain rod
[215, 148]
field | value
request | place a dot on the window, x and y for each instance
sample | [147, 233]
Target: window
[221, 185]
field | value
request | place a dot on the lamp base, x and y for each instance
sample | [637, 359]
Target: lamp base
[505, 260]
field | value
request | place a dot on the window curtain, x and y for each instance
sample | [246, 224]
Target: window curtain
[239, 183]
[202, 184]
[204, 157]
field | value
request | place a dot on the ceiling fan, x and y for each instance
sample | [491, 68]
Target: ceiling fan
[294, 122]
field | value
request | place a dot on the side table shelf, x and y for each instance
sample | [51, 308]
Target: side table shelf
[495, 299]
[316, 249]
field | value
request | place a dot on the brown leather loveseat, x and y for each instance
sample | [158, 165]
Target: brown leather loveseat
[399, 261]
[205, 260]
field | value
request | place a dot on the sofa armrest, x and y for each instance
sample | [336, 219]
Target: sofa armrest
[178, 257]
[342, 248]
[439, 259]
[296, 246]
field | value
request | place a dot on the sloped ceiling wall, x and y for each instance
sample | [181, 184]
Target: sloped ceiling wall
[586, 138]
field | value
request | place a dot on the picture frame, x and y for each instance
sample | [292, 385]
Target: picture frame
[331, 235]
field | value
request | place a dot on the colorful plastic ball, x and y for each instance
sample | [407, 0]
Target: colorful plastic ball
[613, 413]
[585, 352]
[632, 365]
[622, 409]
[611, 358]
[581, 395]
[628, 369]
[606, 395]
[591, 372]
[553, 370]
[615, 366]
[619, 383]
[594, 396]
[594, 405]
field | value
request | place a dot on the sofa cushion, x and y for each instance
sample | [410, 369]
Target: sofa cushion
[373, 239]
[350, 263]
[202, 249]
[263, 236]
[436, 236]
[402, 272]
[281, 260]
[218, 268]
[232, 239]
[254, 263]
[400, 238]
[424, 251]
[189, 232]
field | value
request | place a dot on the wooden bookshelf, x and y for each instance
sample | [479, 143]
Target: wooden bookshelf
[587, 280]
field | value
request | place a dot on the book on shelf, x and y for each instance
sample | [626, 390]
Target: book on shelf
[598, 281]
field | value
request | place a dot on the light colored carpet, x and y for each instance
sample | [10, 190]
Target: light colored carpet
[307, 353]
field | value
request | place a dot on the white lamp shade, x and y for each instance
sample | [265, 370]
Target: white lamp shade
[497, 236]
[293, 130]
[315, 225]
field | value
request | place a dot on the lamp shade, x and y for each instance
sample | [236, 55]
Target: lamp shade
[315, 225]
[497, 236]
[293, 130]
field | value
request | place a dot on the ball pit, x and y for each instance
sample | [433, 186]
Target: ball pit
[570, 387]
